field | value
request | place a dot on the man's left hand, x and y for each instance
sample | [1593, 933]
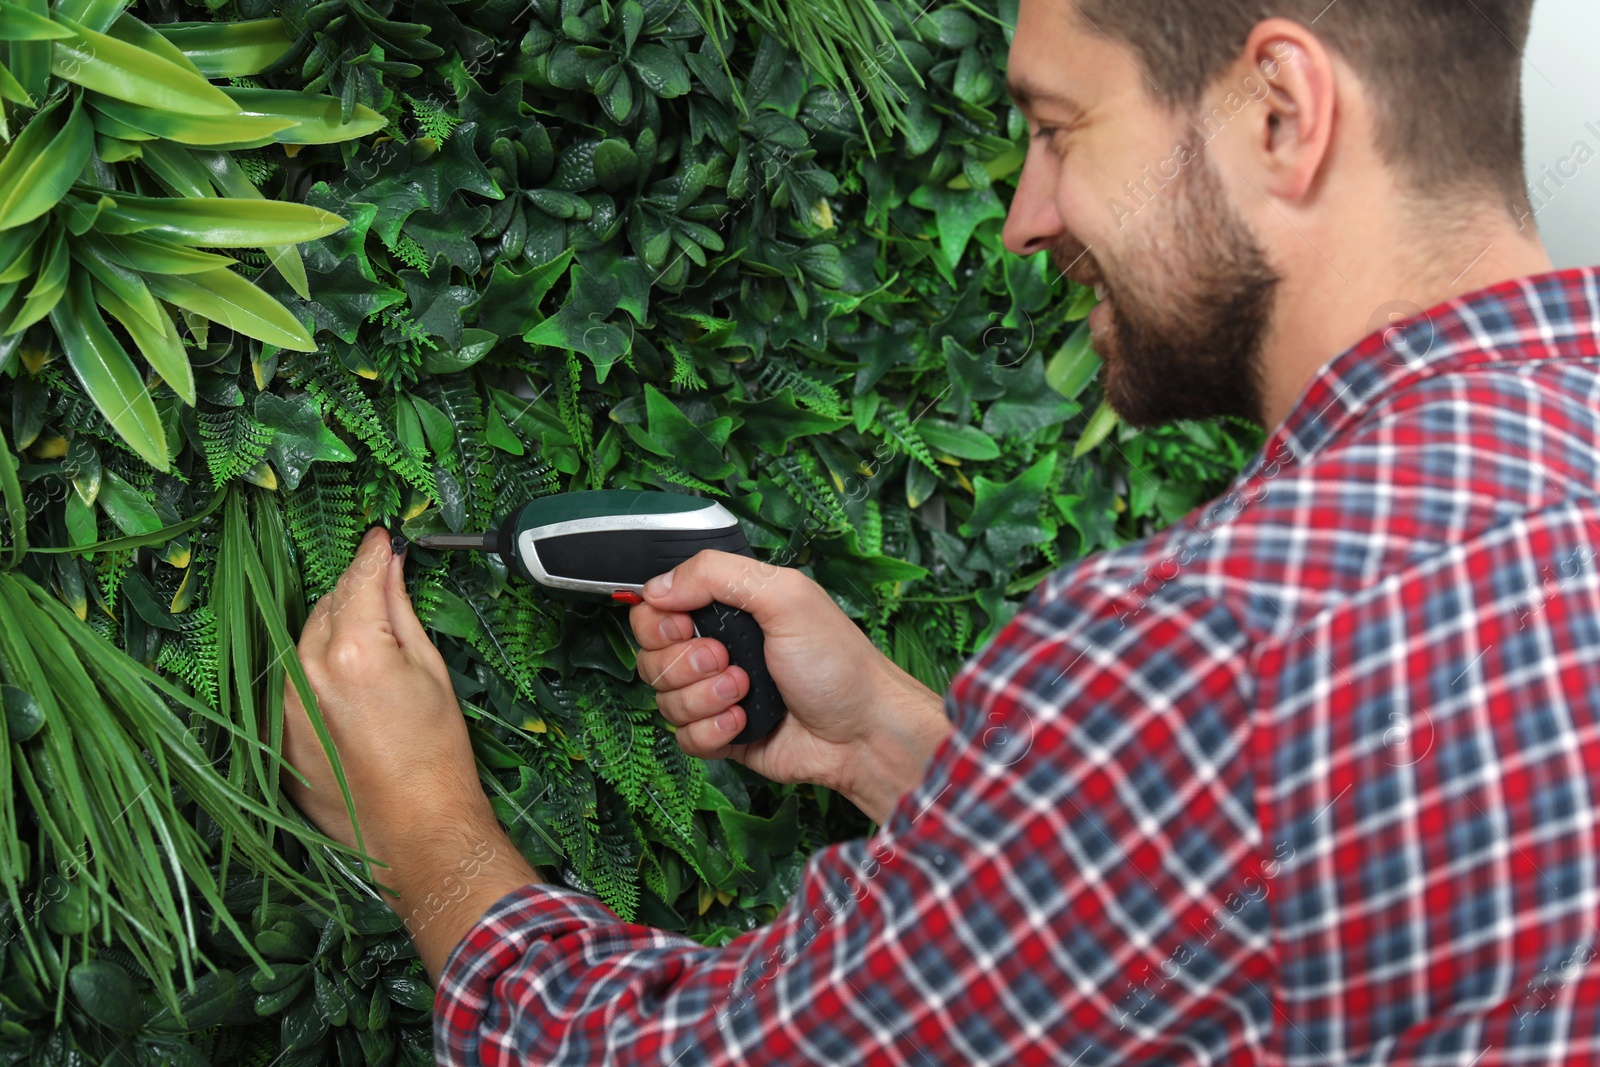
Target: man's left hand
[386, 699]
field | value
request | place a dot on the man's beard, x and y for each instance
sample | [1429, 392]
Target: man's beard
[1188, 312]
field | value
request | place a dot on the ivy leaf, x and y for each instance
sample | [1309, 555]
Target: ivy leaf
[326, 253]
[299, 436]
[958, 212]
[1029, 405]
[697, 448]
[455, 166]
[446, 233]
[1007, 513]
[342, 299]
[435, 303]
[772, 423]
[510, 301]
[396, 201]
[972, 377]
[582, 324]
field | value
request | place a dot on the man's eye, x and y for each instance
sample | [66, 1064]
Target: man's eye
[1046, 134]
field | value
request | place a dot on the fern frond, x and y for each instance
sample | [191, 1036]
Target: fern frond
[191, 653]
[894, 424]
[684, 375]
[805, 483]
[233, 442]
[411, 254]
[777, 376]
[667, 472]
[334, 391]
[433, 119]
[324, 526]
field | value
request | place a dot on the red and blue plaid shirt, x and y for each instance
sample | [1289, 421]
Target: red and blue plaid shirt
[1308, 778]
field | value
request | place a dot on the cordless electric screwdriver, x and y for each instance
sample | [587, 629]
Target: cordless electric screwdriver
[605, 544]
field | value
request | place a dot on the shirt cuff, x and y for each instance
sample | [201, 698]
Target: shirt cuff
[535, 912]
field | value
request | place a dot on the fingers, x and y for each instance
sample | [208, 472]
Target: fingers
[704, 699]
[709, 575]
[678, 665]
[709, 738]
[361, 606]
[655, 629]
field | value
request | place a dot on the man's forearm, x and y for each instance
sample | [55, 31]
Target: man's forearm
[448, 880]
[894, 761]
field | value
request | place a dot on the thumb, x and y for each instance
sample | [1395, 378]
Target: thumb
[735, 580]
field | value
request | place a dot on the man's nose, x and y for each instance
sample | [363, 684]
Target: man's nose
[1034, 222]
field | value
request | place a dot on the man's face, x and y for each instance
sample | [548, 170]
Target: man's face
[1125, 196]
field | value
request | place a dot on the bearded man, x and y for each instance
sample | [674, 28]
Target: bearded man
[1308, 778]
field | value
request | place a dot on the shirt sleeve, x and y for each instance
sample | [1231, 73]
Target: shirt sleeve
[1077, 880]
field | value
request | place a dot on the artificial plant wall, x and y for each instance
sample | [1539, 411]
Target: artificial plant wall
[273, 272]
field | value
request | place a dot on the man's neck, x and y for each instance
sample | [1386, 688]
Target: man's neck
[1338, 298]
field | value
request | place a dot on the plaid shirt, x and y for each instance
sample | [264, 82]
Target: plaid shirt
[1308, 778]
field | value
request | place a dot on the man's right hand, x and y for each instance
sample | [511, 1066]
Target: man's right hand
[856, 723]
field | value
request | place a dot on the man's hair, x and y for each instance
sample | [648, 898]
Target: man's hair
[1444, 76]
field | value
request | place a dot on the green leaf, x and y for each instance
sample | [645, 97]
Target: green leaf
[159, 344]
[220, 222]
[661, 70]
[222, 296]
[19, 24]
[1074, 366]
[231, 49]
[697, 448]
[962, 442]
[299, 436]
[510, 301]
[583, 324]
[107, 374]
[126, 507]
[106, 993]
[317, 119]
[24, 717]
[145, 255]
[34, 176]
[214, 130]
[772, 423]
[128, 72]
[957, 213]
[1008, 514]
[474, 344]
[1101, 423]
[1029, 404]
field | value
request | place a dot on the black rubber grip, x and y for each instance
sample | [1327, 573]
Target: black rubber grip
[763, 706]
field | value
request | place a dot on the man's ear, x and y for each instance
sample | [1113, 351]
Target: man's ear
[1291, 134]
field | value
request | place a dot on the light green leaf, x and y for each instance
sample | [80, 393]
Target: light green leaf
[1072, 368]
[222, 296]
[318, 119]
[1101, 423]
[227, 129]
[159, 343]
[34, 176]
[107, 374]
[19, 24]
[219, 222]
[230, 49]
[128, 72]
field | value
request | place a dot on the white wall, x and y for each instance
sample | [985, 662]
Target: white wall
[1561, 100]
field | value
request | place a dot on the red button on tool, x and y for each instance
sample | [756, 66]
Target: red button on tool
[627, 596]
